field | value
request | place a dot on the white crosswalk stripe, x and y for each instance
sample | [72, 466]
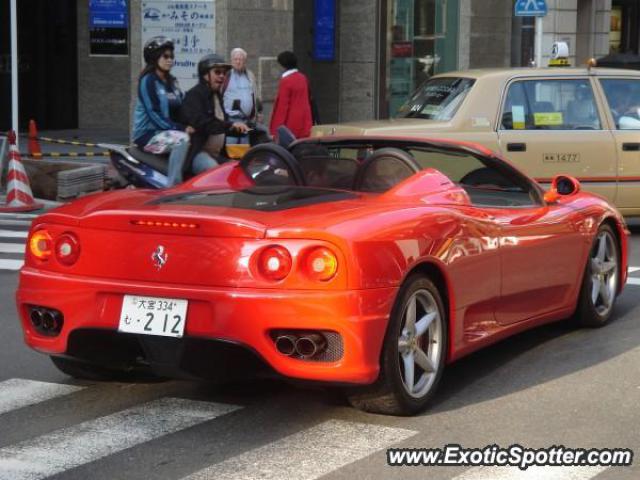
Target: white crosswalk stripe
[11, 264]
[531, 473]
[309, 454]
[11, 247]
[12, 234]
[14, 228]
[91, 440]
[18, 393]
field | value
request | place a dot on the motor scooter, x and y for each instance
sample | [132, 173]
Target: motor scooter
[138, 168]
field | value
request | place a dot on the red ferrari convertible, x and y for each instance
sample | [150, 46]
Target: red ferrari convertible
[369, 263]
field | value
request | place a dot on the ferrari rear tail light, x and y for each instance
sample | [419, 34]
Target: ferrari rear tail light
[274, 263]
[67, 249]
[41, 244]
[321, 264]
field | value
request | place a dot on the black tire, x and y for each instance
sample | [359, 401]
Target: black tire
[594, 308]
[88, 371]
[389, 394]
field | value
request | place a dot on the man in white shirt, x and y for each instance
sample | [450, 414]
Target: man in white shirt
[239, 93]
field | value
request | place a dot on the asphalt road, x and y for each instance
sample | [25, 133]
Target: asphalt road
[550, 386]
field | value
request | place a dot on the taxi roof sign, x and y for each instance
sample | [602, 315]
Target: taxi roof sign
[530, 8]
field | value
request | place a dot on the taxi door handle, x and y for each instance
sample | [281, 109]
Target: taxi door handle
[631, 147]
[516, 147]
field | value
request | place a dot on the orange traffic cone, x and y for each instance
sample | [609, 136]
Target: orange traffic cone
[34, 146]
[19, 195]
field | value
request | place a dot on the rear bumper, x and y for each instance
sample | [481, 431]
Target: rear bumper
[240, 316]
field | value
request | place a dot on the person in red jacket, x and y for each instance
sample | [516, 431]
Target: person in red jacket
[292, 107]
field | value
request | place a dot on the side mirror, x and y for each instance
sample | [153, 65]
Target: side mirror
[561, 186]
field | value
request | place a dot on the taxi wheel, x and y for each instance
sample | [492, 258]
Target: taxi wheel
[600, 281]
[88, 371]
[413, 354]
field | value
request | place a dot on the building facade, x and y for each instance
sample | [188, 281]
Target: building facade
[380, 51]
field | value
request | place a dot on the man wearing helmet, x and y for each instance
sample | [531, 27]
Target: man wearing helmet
[155, 126]
[202, 108]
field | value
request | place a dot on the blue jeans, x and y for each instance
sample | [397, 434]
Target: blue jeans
[176, 162]
[202, 162]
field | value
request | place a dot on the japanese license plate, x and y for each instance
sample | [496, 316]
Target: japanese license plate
[153, 316]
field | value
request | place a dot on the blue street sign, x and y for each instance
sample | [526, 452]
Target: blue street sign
[108, 14]
[530, 8]
[324, 31]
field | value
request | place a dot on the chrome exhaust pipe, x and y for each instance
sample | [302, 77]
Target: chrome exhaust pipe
[286, 344]
[57, 321]
[311, 345]
[36, 317]
[48, 320]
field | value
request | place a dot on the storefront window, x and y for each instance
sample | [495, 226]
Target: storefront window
[624, 32]
[422, 41]
[615, 34]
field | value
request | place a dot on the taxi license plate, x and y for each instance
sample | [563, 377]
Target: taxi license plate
[153, 316]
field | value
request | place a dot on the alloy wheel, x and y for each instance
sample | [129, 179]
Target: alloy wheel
[420, 343]
[604, 273]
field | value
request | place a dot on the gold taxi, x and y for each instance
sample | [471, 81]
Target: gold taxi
[584, 122]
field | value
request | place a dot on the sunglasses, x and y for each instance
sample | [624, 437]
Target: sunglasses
[168, 56]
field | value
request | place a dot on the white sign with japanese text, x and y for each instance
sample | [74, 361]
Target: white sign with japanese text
[192, 27]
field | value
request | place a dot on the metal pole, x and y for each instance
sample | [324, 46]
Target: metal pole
[14, 69]
[539, 42]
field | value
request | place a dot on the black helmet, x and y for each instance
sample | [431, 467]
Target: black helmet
[155, 46]
[210, 61]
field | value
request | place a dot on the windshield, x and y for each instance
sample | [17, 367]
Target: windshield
[437, 99]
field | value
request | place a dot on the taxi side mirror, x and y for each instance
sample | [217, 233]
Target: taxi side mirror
[561, 186]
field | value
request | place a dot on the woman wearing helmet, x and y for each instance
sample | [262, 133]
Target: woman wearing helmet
[203, 109]
[155, 126]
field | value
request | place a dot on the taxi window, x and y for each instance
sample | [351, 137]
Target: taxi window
[437, 98]
[550, 105]
[623, 97]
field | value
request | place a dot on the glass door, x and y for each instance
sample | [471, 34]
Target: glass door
[421, 43]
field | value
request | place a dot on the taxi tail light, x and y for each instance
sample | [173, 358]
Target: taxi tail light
[274, 263]
[41, 244]
[67, 249]
[321, 264]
